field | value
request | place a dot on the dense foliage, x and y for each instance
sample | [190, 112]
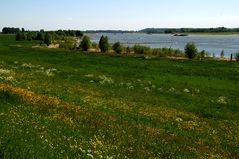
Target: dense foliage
[191, 50]
[189, 30]
[104, 44]
[85, 43]
[10, 30]
[118, 48]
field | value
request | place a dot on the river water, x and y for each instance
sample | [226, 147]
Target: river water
[210, 43]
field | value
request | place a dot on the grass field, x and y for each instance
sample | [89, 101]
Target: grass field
[68, 104]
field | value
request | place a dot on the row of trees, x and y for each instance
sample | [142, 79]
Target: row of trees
[118, 48]
[189, 30]
[104, 45]
[10, 30]
[47, 37]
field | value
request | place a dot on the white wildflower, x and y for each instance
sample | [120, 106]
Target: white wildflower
[222, 100]
[121, 84]
[4, 71]
[51, 72]
[89, 75]
[186, 90]
[153, 86]
[131, 87]
[197, 90]
[128, 84]
[27, 65]
[171, 89]
[90, 155]
[178, 119]
[105, 80]
[160, 89]
[147, 89]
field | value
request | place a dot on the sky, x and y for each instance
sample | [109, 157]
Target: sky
[118, 14]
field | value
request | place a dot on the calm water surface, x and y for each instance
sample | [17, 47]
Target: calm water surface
[210, 43]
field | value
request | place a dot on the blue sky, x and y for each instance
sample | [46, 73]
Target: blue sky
[120, 14]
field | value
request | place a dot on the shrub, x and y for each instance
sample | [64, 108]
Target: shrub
[237, 56]
[20, 36]
[222, 54]
[190, 50]
[47, 39]
[117, 47]
[104, 44]
[85, 43]
[40, 36]
[138, 49]
[68, 43]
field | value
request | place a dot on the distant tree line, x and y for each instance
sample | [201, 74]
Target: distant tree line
[188, 30]
[10, 30]
[45, 36]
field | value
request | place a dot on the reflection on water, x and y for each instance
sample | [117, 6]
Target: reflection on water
[211, 43]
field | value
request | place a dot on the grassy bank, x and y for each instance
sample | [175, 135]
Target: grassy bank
[68, 104]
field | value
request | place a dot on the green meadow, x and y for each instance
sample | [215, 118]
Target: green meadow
[56, 103]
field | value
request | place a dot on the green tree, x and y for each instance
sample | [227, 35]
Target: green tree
[85, 43]
[190, 50]
[20, 36]
[104, 44]
[79, 33]
[29, 36]
[40, 36]
[48, 39]
[117, 47]
[222, 54]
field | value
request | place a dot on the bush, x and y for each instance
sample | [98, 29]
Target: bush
[190, 50]
[117, 47]
[237, 56]
[138, 49]
[222, 54]
[68, 43]
[85, 43]
[20, 36]
[47, 39]
[104, 44]
[40, 36]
